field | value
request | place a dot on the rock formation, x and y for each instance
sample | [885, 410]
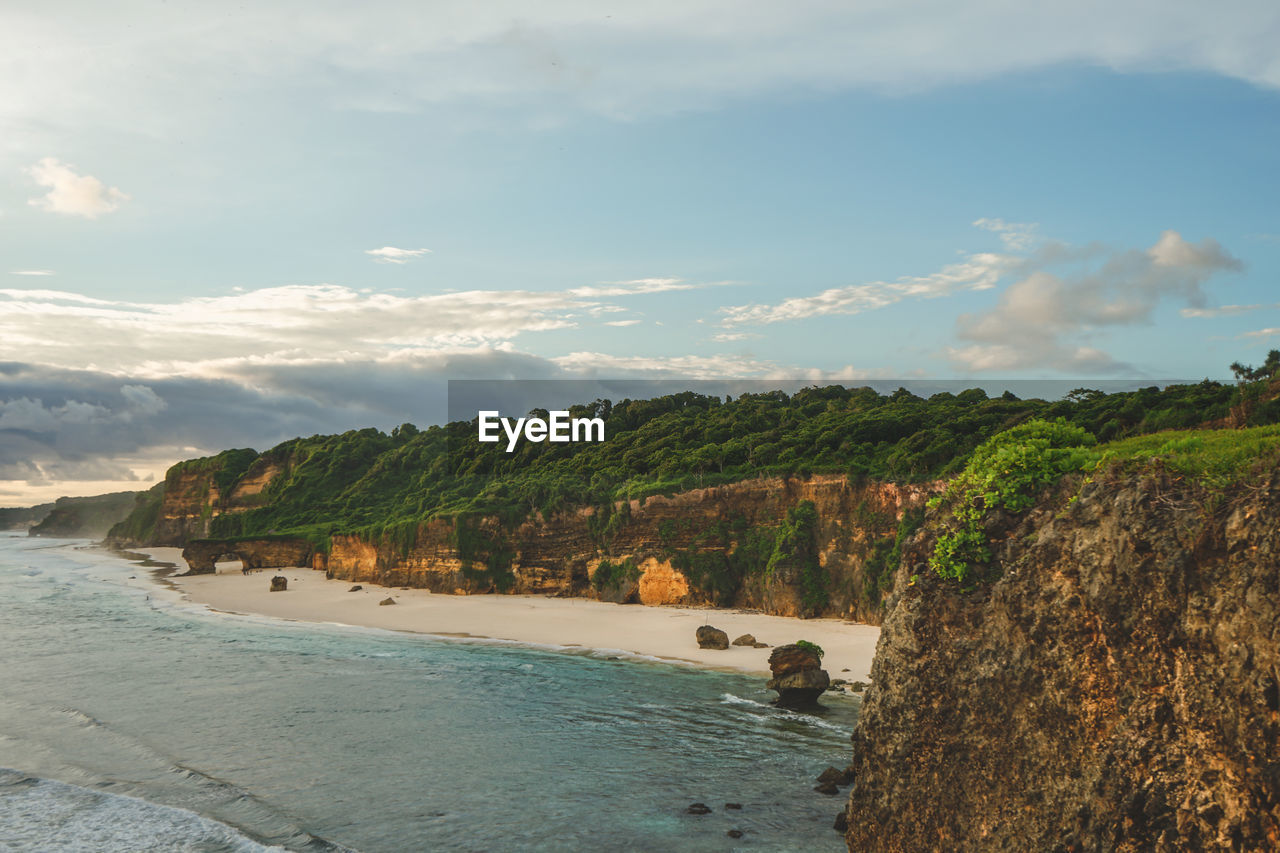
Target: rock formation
[712, 638]
[745, 640]
[555, 555]
[798, 676]
[1117, 689]
[202, 555]
[279, 583]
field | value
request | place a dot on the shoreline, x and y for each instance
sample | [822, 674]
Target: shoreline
[664, 633]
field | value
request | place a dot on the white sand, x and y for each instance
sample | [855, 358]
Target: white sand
[660, 632]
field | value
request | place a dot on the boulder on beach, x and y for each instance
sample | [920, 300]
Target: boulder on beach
[712, 638]
[355, 588]
[279, 583]
[745, 640]
[386, 601]
[798, 676]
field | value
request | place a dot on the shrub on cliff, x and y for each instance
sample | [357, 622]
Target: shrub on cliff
[1006, 472]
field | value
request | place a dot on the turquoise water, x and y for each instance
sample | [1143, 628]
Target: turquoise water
[130, 721]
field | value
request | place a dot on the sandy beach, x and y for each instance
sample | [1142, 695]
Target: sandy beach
[659, 632]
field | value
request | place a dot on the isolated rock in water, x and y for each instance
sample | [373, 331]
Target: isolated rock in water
[828, 788]
[386, 601]
[842, 822]
[797, 676]
[734, 833]
[355, 588]
[734, 806]
[745, 640]
[790, 658]
[712, 638]
[835, 777]
[279, 583]
[858, 686]
[698, 808]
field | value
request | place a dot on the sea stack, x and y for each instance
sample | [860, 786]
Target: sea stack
[798, 676]
[279, 583]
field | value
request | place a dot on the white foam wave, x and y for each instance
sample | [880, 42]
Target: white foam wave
[40, 814]
[773, 710]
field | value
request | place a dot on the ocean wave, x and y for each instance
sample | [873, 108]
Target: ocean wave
[783, 713]
[41, 814]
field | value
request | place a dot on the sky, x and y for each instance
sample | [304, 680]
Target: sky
[225, 226]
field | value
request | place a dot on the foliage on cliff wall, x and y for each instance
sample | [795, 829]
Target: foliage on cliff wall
[89, 517]
[366, 479]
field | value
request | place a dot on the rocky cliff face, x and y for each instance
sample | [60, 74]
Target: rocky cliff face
[1117, 689]
[192, 499]
[561, 555]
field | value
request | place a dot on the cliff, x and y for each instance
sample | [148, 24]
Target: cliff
[707, 546]
[193, 495]
[1116, 689]
[85, 517]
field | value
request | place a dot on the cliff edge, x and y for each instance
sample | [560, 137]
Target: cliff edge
[1116, 688]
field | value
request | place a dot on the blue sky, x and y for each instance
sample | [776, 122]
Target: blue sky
[696, 189]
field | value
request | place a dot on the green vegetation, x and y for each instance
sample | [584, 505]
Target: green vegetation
[1005, 472]
[885, 556]
[89, 517]
[812, 647]
[1011, 469]
[140, 524]
[611, 576]
[383, 486]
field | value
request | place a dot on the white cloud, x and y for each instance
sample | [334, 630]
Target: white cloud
[293, 324]
[729, 337]
[1038, 319]
[659, 56]
[31, 272]
[638, 287]
[392, 255]
[1262, 333]
[1016, 236]
[979, 271]
[72, 193]
[622, 322]
[1223, 310]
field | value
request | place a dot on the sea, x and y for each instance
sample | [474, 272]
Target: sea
[132, 720]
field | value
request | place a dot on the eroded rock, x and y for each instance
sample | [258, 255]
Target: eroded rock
[279, 583]
[712, 638]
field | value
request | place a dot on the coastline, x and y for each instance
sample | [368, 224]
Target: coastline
[663, 633]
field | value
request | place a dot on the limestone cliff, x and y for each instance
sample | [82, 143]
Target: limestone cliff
[1117, 689]
[195, 493]
[662, 539]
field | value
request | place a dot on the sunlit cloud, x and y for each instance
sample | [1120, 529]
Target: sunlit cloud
[71, 193]
[392, 255]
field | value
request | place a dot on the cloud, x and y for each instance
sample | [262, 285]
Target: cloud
[71, 193]
[31, 272]
[392, 255]
[1016, 236]
[1224, 310]
[1038, 319]
[1262, 333]
[979, 271]
[729, 337]
[640, 286]
[622, 322]
[658, 57]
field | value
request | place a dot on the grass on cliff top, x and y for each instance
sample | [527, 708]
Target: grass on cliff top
[1215, 458]
[1011, 469]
